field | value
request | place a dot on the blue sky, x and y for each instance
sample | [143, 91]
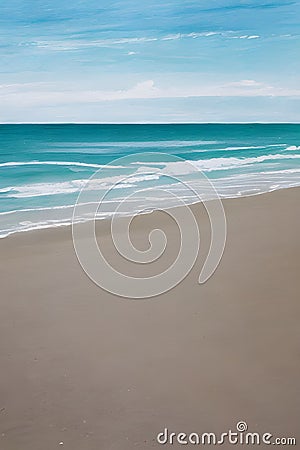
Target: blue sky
[151, 61]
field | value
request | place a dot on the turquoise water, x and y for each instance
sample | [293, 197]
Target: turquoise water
[43, 167]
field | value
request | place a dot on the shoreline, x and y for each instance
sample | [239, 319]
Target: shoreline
[91, 370]
[107, 219]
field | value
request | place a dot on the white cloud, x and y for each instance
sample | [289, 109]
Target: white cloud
[37, 94]
[246, 83]
[172, 37]
[43, 94]
[71, 45]
[144, 89]
[246, 36]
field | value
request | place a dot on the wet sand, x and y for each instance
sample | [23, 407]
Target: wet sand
[82, 369]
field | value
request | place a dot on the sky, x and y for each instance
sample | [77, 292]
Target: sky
[149, 61]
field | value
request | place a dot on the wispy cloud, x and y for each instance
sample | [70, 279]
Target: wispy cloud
[48, 94]
[84, 44]
[71, 45]
[246, 36]
[247, 84]
[99, 53]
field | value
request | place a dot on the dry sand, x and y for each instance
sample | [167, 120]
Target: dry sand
[82, 369]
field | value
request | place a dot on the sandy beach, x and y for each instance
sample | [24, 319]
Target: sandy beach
[82, 369]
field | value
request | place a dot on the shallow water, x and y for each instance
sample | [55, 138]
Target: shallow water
[44, 167]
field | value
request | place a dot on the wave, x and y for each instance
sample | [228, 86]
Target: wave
[25, 210]
[252, 147]
[229, 191]
[273, 172]
[233, 163]
[108, 166]
[58, 163]
[54, 208]
[33, 227]
[224, 149]
[232, 186]
[214, 164]
[132, 144]
[156, 169]
[293, 147]
[71, 187]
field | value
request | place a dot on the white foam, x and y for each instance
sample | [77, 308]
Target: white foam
[118, 182]
[293, 147]
[71, 187]
[213, 164]
[252, 147]
[131, 144]
[256, 181]
[57, 163]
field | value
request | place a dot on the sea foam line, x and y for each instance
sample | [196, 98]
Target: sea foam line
[213, 164]
[54, 223]
[58, 163]
[163, 169]
[132, 144]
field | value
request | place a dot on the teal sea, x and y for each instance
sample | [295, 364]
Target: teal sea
[44, 167]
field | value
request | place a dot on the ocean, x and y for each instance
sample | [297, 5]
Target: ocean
[44, 167]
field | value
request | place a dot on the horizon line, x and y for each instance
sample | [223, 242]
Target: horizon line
[151, 123]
